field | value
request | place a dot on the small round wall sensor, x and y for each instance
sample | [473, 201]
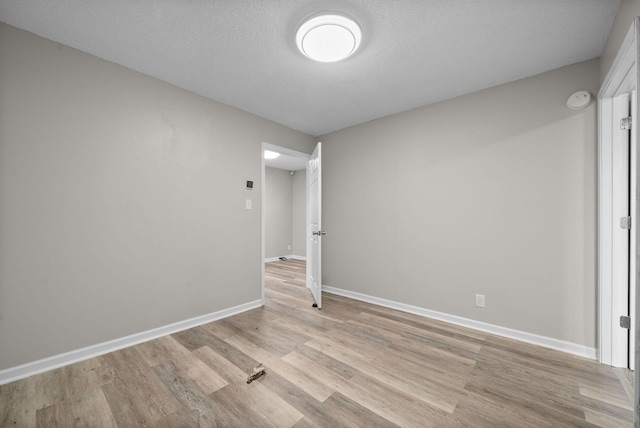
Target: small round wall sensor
[579, 100]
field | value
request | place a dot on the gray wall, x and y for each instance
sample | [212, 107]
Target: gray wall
[629, 9]
[493, 193]
[121, 200]
[278, 212]
[285, 213]
[300, 214]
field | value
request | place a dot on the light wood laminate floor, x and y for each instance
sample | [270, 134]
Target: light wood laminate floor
[349, 364]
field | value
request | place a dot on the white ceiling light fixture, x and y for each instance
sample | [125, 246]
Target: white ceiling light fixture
[329, 37]
[579, 100]
[268, 154]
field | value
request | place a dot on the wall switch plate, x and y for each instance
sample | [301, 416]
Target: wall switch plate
[289, 247]
[480, 300]
[247, 204]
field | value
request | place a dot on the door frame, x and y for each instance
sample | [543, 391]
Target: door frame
[615, 243]
[284, 151]
[622, 78]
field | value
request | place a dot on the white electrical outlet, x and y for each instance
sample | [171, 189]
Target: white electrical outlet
[247, 204]
[480, 300]
[289, 247]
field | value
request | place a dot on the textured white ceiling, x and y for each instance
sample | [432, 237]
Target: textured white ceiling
[286, 162]
[243, 53]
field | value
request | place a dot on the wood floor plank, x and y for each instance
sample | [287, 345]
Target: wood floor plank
[65, 383]
[423, 362]
[306, 423]
[296, 397]
[183, 418]
[454, 341]
[198, 337]
[404, 344]
[426, 392]
[615, 400]
[345, 412]
[349, 364]
[523, 396]
[559, 364]
[170, 350]
[423, 323]
[136, 396]
[315, 370]
[309, 329]
[243, 414]
[328, 362]
[413, 377]
[274, 408]
[295, 299]
[625, 376]
[17, 404]
[255, 396]
[606, 421]
[276, 338]
[394, 405]
[272, 363]
[303, 315]
[534, 386]
[88, 410]
[227, 370]
[305, 306]
[207, 412]
[483, 411]
[203, 337]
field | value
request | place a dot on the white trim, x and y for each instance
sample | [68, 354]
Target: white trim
[622, 78]
[522, 336]
[61, 360]
[263, 216]
[605, 234]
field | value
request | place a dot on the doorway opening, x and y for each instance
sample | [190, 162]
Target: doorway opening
[284, 216]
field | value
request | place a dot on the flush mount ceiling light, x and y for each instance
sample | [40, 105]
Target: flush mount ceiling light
[268, 154]
[579, 100]
[328, 37]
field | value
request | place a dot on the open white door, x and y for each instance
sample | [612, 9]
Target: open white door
[314, 226]
[633, 241]
[621, 233]
[613, 102]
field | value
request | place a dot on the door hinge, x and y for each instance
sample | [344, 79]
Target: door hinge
[625, 322]
[625, 223]
[625, 123]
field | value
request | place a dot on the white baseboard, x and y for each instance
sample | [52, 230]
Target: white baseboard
[547, 342]
[67, 358]
[61, 360]
[275, 259]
